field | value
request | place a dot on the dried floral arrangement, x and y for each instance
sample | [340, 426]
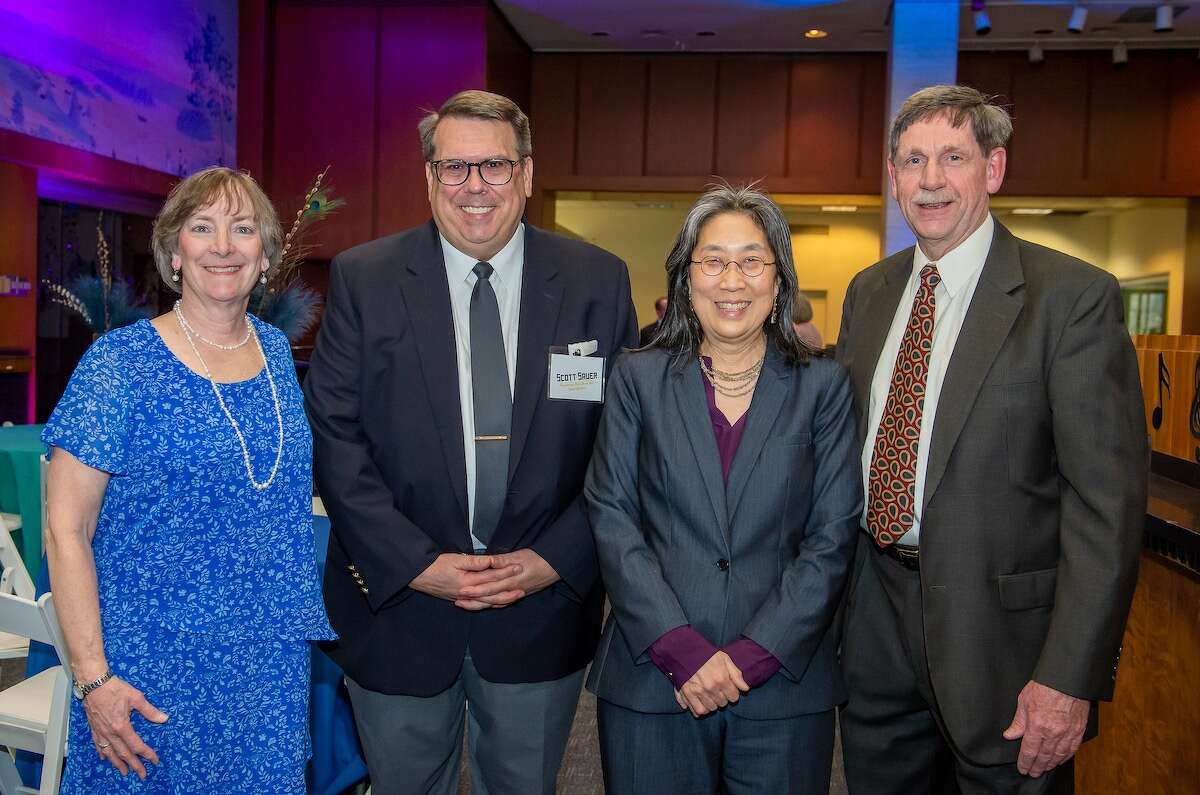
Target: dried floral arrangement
[285, 301]
[104, 304]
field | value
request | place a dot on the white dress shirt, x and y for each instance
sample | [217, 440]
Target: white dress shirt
[959, 269]
[507, 267]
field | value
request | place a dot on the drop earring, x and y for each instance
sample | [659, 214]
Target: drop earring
[263, 279]
[175, 276]
[774, 310]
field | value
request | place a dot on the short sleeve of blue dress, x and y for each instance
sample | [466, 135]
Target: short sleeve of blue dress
[184, 541]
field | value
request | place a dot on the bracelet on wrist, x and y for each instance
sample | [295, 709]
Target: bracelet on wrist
[83, 689]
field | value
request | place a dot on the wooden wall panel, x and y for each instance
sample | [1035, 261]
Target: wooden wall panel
[752, 114]
[1127, 122]
[1049, 107]
[612, 116]
[324, 114]
[824, 126]
[447, 47]
[552, 113]
[681, 116]
[252, 98]
[990, 73]
[872, 124]
[18, 257]
[1182, 160]
[509, 60]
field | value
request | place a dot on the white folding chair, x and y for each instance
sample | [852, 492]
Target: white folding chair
[16, 575]
[33, 713]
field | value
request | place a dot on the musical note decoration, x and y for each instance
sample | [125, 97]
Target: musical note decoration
[1164, 380]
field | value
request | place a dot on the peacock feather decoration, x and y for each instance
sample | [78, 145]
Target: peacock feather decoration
[102, 303]
[285, 301]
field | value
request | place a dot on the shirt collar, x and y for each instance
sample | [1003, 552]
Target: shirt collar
[506, 263]
[961, 263]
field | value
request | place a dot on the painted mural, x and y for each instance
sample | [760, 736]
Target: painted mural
[150, 82]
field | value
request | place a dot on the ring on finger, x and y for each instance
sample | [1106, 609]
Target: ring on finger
[102, 746]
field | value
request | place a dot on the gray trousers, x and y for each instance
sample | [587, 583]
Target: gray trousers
[517, 735]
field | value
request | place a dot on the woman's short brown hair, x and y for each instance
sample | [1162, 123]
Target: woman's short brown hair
[201, 190]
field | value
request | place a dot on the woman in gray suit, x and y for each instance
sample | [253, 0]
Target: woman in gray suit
[724, 496]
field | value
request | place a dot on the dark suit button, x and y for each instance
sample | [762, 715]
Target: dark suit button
[723, 564]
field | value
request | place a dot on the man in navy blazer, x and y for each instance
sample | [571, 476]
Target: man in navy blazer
[461, 563]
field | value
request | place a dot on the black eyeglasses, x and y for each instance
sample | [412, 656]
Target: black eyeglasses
[495, 171]
[715, 266]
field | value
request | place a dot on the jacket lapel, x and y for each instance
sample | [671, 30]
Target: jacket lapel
[426, 292]
[876, 313]
[769, 395]
[993, 310]
[541, 299]
[693, 408]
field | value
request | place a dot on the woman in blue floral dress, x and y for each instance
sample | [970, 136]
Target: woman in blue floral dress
[180, 527]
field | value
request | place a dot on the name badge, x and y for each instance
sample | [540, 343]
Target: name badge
[576, 378]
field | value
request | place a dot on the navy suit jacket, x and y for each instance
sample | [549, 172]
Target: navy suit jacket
[382, 396]
[765, 556]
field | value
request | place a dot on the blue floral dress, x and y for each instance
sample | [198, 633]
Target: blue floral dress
[208, 587]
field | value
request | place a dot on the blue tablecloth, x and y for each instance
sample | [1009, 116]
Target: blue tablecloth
[336, 763]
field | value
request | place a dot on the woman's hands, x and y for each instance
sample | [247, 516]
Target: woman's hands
[718, 683]
[108, 708]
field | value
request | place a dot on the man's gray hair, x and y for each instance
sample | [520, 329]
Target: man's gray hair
[478, 105]
[990, 123]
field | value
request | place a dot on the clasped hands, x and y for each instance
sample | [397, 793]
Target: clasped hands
[718, 683]
[479, 582]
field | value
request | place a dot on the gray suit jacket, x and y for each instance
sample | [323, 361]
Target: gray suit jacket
[663, 518]
[1035, 491]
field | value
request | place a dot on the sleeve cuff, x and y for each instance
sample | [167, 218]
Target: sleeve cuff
[756, 663]
[680, 653]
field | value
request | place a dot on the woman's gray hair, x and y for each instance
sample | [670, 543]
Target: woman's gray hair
[679, 331]
[990, 123]
[482, 105]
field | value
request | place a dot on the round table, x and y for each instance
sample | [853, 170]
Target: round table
[21, 450]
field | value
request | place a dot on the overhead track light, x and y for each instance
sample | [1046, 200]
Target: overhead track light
[1078, 19]
[983, 25]
[1120, 54]
[1035, 53]
[1164, 18]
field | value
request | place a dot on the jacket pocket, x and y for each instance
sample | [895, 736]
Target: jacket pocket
[1028, 590]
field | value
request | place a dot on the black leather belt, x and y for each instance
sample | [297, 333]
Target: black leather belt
[908, 557]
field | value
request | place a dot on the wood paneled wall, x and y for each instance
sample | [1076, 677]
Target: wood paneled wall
[347, 85]
[667, 122]
[816, 123]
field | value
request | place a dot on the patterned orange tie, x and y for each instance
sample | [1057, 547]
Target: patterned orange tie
[892, 482]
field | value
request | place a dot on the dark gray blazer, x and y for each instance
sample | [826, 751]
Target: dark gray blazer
[784, 527]
[1035, 492]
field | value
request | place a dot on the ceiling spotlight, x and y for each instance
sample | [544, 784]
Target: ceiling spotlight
[1035, 53]
[1078, 19]
[839, 208]
[983, 25]
[1164, 18]
[815, 33]
[1120, 54]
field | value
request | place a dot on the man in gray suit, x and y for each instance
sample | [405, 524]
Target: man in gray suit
[1004, 455]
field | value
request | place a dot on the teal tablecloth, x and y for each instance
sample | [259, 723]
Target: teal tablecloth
[21, 450]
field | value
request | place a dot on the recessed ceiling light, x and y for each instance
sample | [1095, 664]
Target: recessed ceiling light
[599, 33]
[706, 33]
[815, 33]
[1032, 211]
[839, 208]
[1044, 32]
[654, 33]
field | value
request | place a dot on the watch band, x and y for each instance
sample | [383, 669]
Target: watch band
[81, 691]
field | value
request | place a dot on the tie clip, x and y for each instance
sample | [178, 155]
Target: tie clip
[491, 438]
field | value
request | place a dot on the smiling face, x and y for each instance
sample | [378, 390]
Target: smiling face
[220, 252]
[477, 218]
[941, 181]
[732, 307]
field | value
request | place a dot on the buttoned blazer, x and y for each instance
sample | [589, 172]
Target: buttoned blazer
[383, 399]
[1035, 489]
[764, 556]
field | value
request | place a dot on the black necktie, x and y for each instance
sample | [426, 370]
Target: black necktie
[492, 400]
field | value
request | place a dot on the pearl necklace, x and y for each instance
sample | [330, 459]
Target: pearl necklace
[189, 330]
[750, 375]
[225, 409]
